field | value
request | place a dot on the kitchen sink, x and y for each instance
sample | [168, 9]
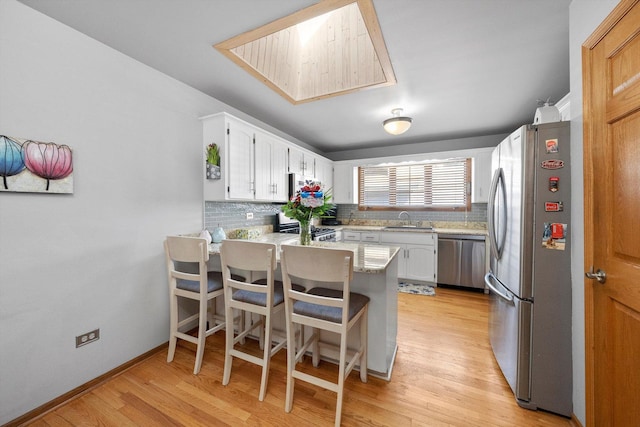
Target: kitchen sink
[406, 227]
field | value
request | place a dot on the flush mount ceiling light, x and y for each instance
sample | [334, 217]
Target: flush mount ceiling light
[330, 48]
[397, 124]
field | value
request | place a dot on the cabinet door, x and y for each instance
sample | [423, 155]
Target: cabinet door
[324, 172]
[263, 152]
[270, 168]
[481, 177]
[296, 161]
[343, 188]
[402, 262]
[420, 262]
[240, 183]
[279, 179]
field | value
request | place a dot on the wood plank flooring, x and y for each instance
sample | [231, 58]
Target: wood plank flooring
[444, 375]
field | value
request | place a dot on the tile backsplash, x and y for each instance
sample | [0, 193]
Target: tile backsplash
[231, 215]
[478, 213]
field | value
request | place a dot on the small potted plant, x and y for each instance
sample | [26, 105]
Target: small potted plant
[213, 161]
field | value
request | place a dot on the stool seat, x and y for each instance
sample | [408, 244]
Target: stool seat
[259, 298]
[332, 314]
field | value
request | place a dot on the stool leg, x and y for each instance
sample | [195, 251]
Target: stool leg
[202, 335]
[315, 351]
[229, 335]
[173, 328]
[341, 377]
[266, 356]
[364, 343]
[291, 364]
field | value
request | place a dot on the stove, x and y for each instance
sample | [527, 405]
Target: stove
[291, 226]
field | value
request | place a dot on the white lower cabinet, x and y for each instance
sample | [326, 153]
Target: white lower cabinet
[418, 254]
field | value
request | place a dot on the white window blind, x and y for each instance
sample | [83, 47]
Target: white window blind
[442, 184]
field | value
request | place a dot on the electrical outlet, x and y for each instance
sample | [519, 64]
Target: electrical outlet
[249, 215]
[87, 338]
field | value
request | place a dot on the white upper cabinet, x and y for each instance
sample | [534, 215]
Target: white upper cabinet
[253, 162]
[343, 183]
[240, 158]
[324, 172]
[481, 176]
[270, 168]
[301, 162]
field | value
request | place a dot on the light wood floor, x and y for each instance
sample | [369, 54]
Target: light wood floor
[444, 375]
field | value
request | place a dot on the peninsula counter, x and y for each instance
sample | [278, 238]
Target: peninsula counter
[376, 276]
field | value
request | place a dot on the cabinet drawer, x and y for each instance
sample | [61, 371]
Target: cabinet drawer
[409, 237]
[351, 236]
[370, 237]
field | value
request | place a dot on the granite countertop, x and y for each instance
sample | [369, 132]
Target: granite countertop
[372, 259]
[475, 228]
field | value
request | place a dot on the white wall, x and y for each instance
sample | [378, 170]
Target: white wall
[94, 259]
[584, 16]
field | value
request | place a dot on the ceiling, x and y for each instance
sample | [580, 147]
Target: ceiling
[464, 68]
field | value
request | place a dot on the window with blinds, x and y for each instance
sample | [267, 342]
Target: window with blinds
[443, 184]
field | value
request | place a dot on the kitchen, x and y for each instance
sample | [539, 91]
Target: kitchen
[135, 195]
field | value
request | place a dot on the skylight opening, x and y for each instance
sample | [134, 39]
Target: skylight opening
[328, 49]
[307, 29]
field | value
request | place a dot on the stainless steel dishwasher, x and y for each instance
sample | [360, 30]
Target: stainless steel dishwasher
[461, 260]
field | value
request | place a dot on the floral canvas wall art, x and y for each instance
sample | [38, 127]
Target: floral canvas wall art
[34, 166]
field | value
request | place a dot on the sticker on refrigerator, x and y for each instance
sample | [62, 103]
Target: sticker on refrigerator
[554, 236]
[552, 164]
[552, 145]
[554, 182]
[553, 207]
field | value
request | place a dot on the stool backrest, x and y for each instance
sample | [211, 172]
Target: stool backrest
[181, 253]
[321, 266]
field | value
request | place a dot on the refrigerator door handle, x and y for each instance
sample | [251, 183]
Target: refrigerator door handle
[488, 281]
[497, 246]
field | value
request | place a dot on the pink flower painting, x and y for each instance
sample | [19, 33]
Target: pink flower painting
[27, 163]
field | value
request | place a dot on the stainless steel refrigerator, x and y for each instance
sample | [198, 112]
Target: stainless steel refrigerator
[529, 278]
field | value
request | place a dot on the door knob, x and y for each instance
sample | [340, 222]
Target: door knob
[599, 275]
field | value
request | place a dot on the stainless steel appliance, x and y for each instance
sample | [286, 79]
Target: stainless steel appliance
[529, 278]
[330, 219]
[291, 226]
[461, 260]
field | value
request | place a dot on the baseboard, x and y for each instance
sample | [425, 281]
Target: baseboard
[574, 421]
[84, 388]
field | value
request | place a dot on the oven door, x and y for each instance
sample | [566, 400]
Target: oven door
[330, 237]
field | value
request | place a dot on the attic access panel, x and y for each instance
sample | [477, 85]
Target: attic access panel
[328, 49]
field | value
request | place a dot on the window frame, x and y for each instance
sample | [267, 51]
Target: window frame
[452, 207]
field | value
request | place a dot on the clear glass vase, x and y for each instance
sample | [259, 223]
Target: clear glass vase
[305, 233]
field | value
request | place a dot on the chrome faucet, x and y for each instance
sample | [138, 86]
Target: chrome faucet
[407, 214]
